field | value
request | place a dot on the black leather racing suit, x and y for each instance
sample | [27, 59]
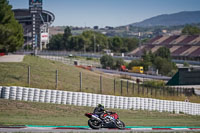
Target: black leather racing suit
[99, 111]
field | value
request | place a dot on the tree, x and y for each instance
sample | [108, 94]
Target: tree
[11, 32]
[191, 30]
[117, 43]
[119, 62]
[66, 35]
[76, 43]
[163, 52]
[107, 61]
[164, 65]
[56, 42]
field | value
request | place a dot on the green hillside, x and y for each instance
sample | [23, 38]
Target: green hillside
[43, 75]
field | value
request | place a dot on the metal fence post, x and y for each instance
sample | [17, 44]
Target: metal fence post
[101, 84]
[80, 81]
[138, 88]
[29, 76]
[56, 79]
[114, 86]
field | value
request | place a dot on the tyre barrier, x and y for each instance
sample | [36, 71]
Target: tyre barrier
[12, 94]
[36, 95]
[64, 97]
[5, 92]
[31, 94]
[0, 91]
[84, 99]
[25, 94]
[19, 93]
[98, 99]
[116, 102]
[53, 96]
[69, 98]
[42, 96]
[94, 100]
[91, 100]
[79, 99]
[74, 98]
[47, 96]
[58, 97]
[107, 104]
[112, 101]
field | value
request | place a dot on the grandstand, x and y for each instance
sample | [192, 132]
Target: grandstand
[181, 46]
[24, 17]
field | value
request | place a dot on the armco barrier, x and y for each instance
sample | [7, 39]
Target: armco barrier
[91, 100]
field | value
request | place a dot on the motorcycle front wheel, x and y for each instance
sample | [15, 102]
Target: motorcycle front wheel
[119, 124]
[94, 124]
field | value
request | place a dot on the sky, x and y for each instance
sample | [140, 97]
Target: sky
[103, 13]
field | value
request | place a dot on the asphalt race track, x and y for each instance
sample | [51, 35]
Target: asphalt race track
[31, 128]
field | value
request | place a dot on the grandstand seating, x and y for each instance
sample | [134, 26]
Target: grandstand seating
[180, 50]
[179, 39]
[136, 50]
[179, 45]
[168, 40]
[188, 39]
[154, 49]
[189, 51]
[154, 39]
[160, 40]
[195, 53]
[173, 48]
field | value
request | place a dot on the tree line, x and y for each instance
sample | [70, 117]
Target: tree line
[91, 41]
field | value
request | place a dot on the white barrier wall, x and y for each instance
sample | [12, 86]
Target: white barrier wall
[91, 100]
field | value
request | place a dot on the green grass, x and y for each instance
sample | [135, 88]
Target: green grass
[29, 113]
[43, 73]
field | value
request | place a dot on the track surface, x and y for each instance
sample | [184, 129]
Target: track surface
[31, 128]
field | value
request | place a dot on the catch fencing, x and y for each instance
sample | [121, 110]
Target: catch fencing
[91, 100]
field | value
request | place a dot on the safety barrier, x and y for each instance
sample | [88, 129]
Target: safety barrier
[91, 100]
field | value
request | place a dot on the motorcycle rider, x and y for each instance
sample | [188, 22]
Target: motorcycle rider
[99, 110]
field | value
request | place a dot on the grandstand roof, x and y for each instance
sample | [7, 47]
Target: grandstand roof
[23, 16]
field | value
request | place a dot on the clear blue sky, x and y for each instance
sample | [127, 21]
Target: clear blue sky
[109, 12]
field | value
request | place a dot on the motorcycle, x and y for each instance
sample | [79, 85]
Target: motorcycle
[108, 120]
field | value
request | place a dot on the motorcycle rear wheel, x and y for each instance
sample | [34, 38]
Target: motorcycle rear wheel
[94, 124]
[119, 124]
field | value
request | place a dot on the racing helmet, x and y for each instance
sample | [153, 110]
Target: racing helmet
[101, 105]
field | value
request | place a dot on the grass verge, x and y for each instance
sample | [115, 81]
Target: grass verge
[30, 113]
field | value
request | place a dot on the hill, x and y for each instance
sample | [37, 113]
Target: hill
[43, 75]
[181, 18]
